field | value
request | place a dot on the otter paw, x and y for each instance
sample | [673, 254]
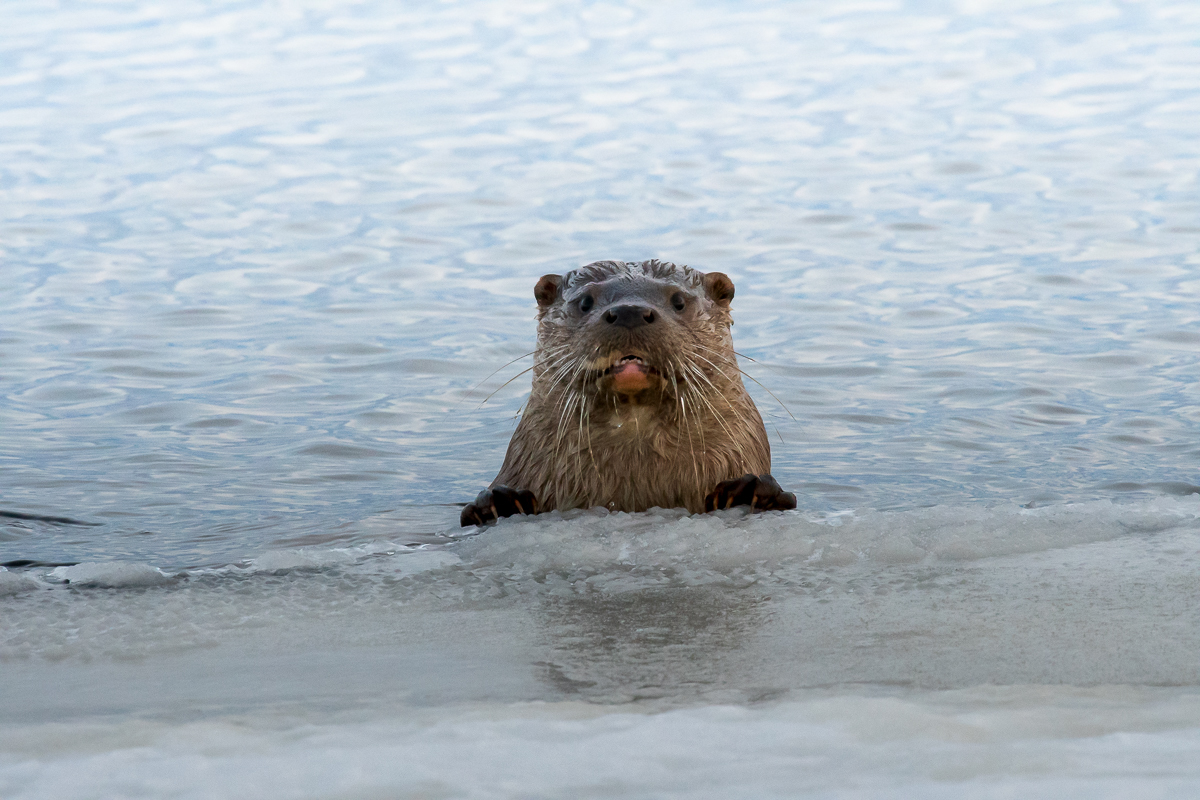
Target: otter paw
[499, 501]
[760, 492]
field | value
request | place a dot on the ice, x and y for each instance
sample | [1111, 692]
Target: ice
[12, 583]
[616, 552]
[410, 562]
[982, 650]
[987, 651]
[731, 605]
[113, 574]
[670, 546]
[985, 742]
[425, 561]
[301, 558]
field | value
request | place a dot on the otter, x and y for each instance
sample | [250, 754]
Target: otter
[637, 401]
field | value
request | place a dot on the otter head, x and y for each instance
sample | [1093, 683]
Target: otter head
[634, 333]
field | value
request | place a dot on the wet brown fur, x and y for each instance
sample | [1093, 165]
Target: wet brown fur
[580, 445]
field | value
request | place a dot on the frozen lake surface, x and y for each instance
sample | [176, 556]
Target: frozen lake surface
[256, 260]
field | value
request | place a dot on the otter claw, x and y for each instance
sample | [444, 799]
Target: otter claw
[499, 501]
[760, 492]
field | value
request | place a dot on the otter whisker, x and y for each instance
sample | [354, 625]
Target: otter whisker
[562, 475]
[717, 416]
[586, 430]
[565, 375]
[501, 386]
[560, 374]
[568, 403]
[700, 373]
[472, 390]
[681, 404]
[764, 388]
[581, 404]
[712, 363]
[768, 391]
[573, 397]
[756, 380]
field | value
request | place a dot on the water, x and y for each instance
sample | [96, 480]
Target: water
[258, 261]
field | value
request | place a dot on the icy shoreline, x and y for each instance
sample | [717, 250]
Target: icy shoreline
[928, 653]
[987, 742]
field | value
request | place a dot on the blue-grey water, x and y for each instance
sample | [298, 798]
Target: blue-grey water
[260, 260]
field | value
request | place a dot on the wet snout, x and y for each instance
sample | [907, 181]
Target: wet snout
[630, 315]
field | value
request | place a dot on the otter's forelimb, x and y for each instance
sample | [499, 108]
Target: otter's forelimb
[496, 502]
[760, 492]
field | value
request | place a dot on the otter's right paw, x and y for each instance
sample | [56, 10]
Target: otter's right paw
[760, 492]
[499, 501]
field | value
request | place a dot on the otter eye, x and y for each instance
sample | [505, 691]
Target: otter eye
[585, 305]
[678, 301]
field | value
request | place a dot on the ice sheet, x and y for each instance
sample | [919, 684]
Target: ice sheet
[1106, 742]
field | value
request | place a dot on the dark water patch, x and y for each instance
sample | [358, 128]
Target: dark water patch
[156, 414]
[408, 366]
[1128, 439]
[863, 419]
[356, 477]
[1058, 280]
[1031, 421]
[26, 563]
[831, 371]
[73, 328]
[44, 518]
[1059, 410]
[129, 353]
[963, 444]
[215, 422]
[345, 349]
[158, 373]
[1116, 360]
[199, 318]
[1177, 337]
[386, 419]
[827, 219]
[336, 450]
[66, 394]
[958, 168]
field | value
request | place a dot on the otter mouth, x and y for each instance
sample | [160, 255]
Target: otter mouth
[631, 374]
[629, 362]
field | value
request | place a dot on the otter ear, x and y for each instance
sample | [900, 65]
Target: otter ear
[546, 290]
[718, 287]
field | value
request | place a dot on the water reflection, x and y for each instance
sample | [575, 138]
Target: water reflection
[680, 642]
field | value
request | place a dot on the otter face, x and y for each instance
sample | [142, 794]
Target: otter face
[633, 324]
[636, 332]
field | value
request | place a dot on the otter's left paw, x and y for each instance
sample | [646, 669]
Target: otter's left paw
[760, 492]
[499, 501]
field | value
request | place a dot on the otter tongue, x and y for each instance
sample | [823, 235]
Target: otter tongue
[630, 375]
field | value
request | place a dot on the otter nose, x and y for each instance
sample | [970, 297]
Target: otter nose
[629, 316]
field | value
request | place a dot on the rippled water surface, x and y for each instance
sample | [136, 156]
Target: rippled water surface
[266, 268]
[257, 255]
